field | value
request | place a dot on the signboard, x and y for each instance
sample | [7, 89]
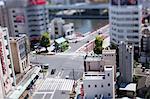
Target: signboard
[37, 2]
[124, 2]
[20, 18]
[128, 2]
[114, 2]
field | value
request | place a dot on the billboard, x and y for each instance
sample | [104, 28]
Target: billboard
[124, 2]
[128, 2]
[114, 2]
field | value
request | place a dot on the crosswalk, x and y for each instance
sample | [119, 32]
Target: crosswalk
[72, 54]
[51, 84]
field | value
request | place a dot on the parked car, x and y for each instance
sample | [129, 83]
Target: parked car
[53, 71]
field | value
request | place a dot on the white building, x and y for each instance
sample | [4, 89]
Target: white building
[99, 83]
[126, 61]
[68, 29]
[99, 75]
[95, 62]
[60, 29]
[26, 17]
[125, 21]
[7, 74]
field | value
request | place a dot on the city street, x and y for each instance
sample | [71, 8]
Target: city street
[75, 46]
[68, 67]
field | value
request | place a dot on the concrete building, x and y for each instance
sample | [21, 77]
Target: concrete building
[60, 29]
[145, 45]
[94, 62]
[7, 75]
[26, 17]
[3, 18]
[97, 1]
[99, 84]
[20, 53]
[99, 75]
[57, 28]
[125, 21]
[65, 2]
[126, 61]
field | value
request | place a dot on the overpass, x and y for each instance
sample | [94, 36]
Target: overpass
[78, 6]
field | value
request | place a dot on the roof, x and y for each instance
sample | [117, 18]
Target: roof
[60, 40]
[129, 87]
[23, 85]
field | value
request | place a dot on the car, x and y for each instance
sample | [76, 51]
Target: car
[67, 77]
[53, 71]
[45, 66]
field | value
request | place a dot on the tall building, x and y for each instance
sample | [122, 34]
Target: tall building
[7, 74]
[26, 17]
[125, 21]
[20, 54]
[145, 45]
[126, 60]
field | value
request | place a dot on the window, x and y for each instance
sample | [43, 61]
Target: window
[15, 26]
[95, 86]
[8, 56]
[102, 86]
[13, 11]
[108, 84]
[16, 30]
[108, 74]
[104, 77]
[89, 86]
[5, 37]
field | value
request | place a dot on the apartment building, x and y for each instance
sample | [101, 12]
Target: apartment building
[99, 75]
[20, 53]
[126, 60]
[99, 84]
[8, 80]
[26, 17]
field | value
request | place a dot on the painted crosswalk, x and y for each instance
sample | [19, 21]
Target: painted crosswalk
[51, 84]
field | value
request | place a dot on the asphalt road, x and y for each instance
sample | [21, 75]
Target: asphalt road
[75, 46]
[65, 65]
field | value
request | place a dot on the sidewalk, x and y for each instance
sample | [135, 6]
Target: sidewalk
[24, 83]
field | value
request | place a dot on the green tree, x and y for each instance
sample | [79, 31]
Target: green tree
[98, 45]
[45, 41]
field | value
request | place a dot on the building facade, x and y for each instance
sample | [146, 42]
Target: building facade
[99, 75]
[125, 21]
[20, 53]
[8, 80]
[126, 61]
[27, 17]
[60, 29]
[145, 45]
[99, 84]
[57, 28]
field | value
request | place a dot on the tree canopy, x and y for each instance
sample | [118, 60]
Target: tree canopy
[45, 40]
[98, 45]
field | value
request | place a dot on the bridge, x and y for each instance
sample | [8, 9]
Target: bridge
[77, 6]
[79, 11]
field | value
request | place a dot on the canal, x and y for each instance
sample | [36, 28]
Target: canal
[87, 25]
